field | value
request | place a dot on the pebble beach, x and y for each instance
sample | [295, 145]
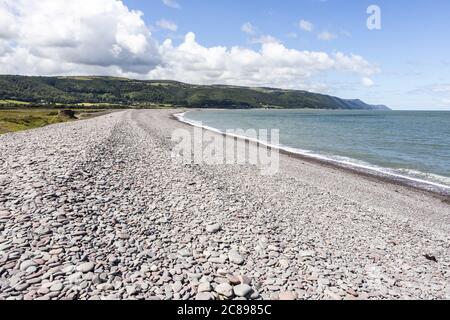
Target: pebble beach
[98, 209]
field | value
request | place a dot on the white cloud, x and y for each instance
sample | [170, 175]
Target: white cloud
[272, 65]
[367, 82]
[248, 28]
[101, 35]
[172, 4]
[306, 25]
[104, 37]
[4, 48]
[446, 102]
[355, 63]
[8, 28]
[167, 24]
[265, 39]
[326, 36]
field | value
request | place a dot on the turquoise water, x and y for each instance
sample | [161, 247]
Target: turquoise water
[414, 144]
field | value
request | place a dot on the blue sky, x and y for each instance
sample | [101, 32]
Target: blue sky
[318, 45]
[411, 48]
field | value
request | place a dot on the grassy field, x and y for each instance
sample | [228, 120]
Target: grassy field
[13, 102]
[24, 119]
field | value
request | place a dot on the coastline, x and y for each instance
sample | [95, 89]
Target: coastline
[113, 199]
[435, 189]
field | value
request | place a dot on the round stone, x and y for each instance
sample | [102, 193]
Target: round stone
[131, 290]
[85, 267]
[233, 279]
[26, 264]
[287, 295]
[242, 290]
[204, 296]
[57, 286]
[204, 287]
[213, 228]
[284, 263]
[225, 289]
[235, 257]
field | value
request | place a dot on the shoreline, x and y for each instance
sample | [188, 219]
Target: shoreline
[113, 199]
[438, 190]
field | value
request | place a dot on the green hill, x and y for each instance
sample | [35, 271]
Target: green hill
[120, 92]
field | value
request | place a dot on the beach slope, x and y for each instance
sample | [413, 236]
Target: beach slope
[98, 209]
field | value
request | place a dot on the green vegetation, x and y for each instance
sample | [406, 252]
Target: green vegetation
[17, 120]
[13, 102]
[109, 92]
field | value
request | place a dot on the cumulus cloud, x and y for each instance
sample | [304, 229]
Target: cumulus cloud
[77, 35]
[8, 28]
[104, 37]
[265, 39]
[172, 4]
[248, 28]
[167, 24]
[306, 25]
[355, 63]
[367, 82]
[326, 36]
[272, 65]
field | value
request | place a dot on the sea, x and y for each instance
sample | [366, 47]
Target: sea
[413, 146]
